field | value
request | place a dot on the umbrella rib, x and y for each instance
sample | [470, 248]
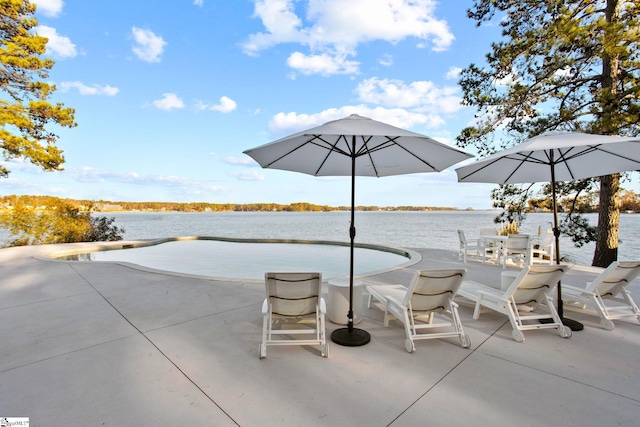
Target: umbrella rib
[592, 148]
[391, 141]
[519, 158]
[367, 151]
[331, 148]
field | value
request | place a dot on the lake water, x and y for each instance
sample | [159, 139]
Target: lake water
[433, 229]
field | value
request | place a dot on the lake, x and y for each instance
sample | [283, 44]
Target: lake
[424, 229]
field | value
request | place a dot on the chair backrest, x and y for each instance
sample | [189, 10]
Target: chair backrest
[618, 274]
[534, 281]
[432, 289]
[547, 239]
[293, 293]
[462, 238]
[518, 241]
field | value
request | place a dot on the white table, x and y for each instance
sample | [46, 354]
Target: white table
[338, 300]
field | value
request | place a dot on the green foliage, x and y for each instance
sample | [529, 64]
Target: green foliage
[579, 229]
[24, 110]
[561, 65]
[57, 221]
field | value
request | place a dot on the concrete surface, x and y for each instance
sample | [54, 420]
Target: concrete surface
[91, 343]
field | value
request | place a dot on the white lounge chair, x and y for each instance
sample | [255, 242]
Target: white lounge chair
[430, 292]
[528, 299]
[467, 248]
[610, 285]
[293, 303]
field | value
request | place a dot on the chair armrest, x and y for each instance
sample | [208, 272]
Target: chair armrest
[392, 301]
[377, 295]
[323, 306]
[491, 296]
[574, 290]
[265, 306]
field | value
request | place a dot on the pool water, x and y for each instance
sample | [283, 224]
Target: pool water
[242, 260]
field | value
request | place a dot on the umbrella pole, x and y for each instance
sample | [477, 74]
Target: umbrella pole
[350, 336]
[572, 324]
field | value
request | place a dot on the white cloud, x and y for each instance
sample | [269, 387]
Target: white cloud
[386, 60]
[252, 175]
[420, 95]
[92, 175]
[89, 90]
[57, 45]
[453, 73]
[240, 161]
[283, 123]
[334, 28]
[169, 101]
[324, 64]
[50, 8]
[198, 2]
[147, 45]
[226, 105]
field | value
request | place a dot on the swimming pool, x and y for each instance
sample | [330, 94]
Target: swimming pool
[251, 258]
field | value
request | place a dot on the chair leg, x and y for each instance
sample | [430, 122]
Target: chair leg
[409, 330]
[266, 323]
[386, 317]
[517, 334]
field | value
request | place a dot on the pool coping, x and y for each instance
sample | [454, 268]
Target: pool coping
[414, 257]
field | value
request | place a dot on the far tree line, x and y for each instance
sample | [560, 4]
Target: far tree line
[8, 202]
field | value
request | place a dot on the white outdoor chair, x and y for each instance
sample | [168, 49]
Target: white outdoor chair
[467, 248]
[295, 305]
[543, 252]
[526, 301]
[490, 248]
[610, 286]
[430, 292]
[517, 249]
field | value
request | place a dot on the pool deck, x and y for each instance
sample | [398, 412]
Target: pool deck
[92, 343]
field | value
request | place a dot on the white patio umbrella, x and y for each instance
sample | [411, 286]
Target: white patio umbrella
[356, 146]
[556, 156]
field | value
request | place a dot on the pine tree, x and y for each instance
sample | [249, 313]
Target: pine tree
[25, 112]
[561, 65]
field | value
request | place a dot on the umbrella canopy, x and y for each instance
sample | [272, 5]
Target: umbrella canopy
[556, 156]
[570, 155]
[379, 149]
[356, 146]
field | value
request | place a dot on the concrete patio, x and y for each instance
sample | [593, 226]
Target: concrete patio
[90, 343]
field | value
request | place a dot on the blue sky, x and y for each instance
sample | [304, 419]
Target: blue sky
[169, 94]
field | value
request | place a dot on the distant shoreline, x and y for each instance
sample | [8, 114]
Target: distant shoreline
[40, 202]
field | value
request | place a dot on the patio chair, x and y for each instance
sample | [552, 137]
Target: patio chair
[517, 249]
[526, 302]
[295, 305]
[467, 248]
[490, 248]
[609, 286]
[543, 252]
[430, 292]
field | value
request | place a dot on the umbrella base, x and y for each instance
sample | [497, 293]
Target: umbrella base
[574, 325]
[354, 338]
